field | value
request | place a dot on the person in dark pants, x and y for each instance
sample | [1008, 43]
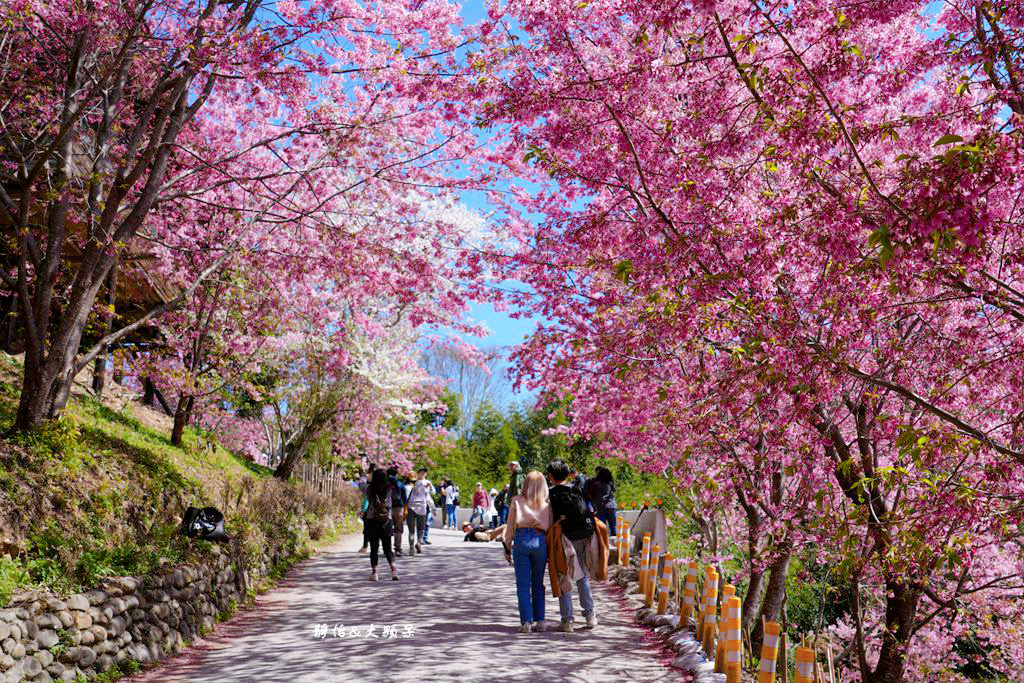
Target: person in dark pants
[399, 499]
[601, 495]
[363, 483]
[420, 503]
[378, 521]
[501, 502]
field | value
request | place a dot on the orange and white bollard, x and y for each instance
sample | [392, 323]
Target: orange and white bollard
[618, 538]
[769, 652]
[645, 560]
[804, 665]
[688, 600]
[710, 612]
[627, 542]
[666, 584]
[728, 591]
[733, 639]
[652, 576]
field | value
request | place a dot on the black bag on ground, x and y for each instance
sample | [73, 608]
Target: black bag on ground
[205, 523]
[578, 523]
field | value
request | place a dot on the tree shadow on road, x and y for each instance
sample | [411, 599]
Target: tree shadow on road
[459, 602]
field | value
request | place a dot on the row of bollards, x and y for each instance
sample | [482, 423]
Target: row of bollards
[708, 643]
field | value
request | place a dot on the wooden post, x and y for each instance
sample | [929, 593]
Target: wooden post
[784, 651]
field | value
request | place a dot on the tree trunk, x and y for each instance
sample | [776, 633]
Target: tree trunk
[148, 392]
[290, 458]
[32, 406]
[900, 613]
[99, 373]
[182, 416]
[752, 600]
[775, 596]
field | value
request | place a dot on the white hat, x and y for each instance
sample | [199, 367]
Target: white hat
[493, 491]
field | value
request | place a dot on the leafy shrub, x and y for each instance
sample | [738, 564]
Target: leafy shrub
[12, 577]
[55, 438]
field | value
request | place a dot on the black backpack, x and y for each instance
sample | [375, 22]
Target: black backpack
[381, 506]
[205, 523]
[579, 521]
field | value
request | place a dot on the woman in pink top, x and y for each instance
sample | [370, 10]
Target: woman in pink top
[529, 517]
[481, 501]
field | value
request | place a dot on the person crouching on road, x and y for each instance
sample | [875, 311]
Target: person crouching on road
[529, 518]
[378, 521]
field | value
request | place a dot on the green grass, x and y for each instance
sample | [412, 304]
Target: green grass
[100, 493]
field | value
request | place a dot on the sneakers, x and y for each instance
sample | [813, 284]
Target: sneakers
[394, 575]
[565, 626]
[539, 626]
[398, 550]
[410, 547]
[373, 575]
[364, 549]
[524, 627]
[419, 549]
[425, 542]
[591, 621]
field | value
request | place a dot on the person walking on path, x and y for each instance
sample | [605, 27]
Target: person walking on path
[529, 519]
[575, 523]
[363, 484]
[516, 480]
[420, 502]
[399, 499]
[492, 512]
[601, 494]
[431, 510]
[450, 492]
[501, 502]
[481, 502]
[378, 521]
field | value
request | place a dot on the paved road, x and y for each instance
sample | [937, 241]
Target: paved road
[459, 600]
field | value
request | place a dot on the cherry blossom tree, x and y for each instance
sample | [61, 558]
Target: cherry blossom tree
[783, 239]
[121, 117]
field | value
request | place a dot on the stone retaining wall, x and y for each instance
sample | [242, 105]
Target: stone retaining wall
[126, 619]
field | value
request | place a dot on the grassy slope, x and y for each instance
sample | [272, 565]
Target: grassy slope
[100, 493]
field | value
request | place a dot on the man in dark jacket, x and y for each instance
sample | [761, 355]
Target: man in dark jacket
[399, 499]
[515, 482]
[501, 506]
[569, 508]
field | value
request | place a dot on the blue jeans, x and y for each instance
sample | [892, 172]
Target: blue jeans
[430, 520]
[450, 514]
[582, 587]
[608, 517]
[503, 514]
[530, 555]
[477, 510]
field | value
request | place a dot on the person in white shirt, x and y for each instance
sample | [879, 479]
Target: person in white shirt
[492, 512]
[449, 492]
[420, 503]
